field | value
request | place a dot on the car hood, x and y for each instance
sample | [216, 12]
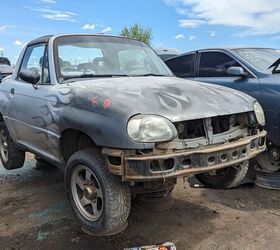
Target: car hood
[174, 98]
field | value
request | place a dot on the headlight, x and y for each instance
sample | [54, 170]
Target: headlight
[150, 128]
[259, 113]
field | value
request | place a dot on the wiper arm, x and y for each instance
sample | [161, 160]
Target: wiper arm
[103, 75]
[92, 76]
[150, 74]
[275, 66]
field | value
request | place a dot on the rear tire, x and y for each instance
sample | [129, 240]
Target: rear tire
[11, 156]
[225, 178]
[100, 200]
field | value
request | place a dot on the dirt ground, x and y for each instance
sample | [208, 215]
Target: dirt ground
[34, 214]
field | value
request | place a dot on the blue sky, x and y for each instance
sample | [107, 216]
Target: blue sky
[180, 24]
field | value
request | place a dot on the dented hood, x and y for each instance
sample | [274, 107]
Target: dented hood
[174, 98]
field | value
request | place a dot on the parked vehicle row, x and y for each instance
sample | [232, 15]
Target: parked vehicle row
[254, 71]
[113, 117]
[5, 68]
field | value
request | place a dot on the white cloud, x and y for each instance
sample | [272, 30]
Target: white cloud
[48, 1]
[252, 17]
[88, 27]
[18, 43]
[3, 27]
[1, 49]
[179, 36]
[56, 15]
[190, 23]
[106, 30]
[191, 38]
[212, 34]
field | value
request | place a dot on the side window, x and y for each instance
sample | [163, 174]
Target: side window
[36, 59]
[182, 65]
[215, 64]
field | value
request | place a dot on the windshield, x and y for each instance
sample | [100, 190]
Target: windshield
[6, 69]
[262, 59]
[92, 56]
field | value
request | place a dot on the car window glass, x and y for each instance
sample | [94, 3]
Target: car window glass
[132, 60]
[77, 60]
[215, 64]
[36, 59]
[182, 65]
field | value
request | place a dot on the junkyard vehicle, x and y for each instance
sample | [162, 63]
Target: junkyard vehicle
[166, 53]
[111, 114]
[5, 70]
[5, 60]
[254, 71]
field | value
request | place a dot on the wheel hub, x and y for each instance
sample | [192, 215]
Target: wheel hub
[274, 153]
[90, 192]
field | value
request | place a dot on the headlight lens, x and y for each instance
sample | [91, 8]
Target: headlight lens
[150, 128]
[259, 113]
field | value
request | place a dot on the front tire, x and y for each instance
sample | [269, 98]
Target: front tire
[11, 156]
[229, 177]
[100, 200]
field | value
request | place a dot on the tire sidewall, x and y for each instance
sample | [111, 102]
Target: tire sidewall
[99, 169]
[226, 181]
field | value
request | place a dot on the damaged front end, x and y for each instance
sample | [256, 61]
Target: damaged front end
[202, 145]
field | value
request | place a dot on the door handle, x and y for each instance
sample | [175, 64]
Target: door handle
[12, 91]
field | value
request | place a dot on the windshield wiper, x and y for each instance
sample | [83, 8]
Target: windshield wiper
[150, 74]
[275, 65]
[73, 78]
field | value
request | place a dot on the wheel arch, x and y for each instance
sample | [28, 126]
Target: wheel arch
[74, 140]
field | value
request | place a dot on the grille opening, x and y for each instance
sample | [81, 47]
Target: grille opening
[224, 157]
[220, 124]
[211, 159]
[187, 162]
[159, 166]
[116, 161]
[190, 129]
[244, 151]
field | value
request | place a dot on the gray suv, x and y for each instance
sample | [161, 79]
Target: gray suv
[111, 115]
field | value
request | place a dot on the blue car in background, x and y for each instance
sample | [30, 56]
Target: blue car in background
[255, 71]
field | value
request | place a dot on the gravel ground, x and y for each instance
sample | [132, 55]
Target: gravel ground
[34, 214]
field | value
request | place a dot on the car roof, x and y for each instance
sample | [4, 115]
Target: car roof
[224, 48]
[45, 39]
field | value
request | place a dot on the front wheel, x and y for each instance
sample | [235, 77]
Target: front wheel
[11, 157]
[100, 200]
[224, 178]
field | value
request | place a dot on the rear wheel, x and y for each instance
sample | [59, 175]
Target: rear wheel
[270, 159]
[11, 156]
[224, 178]
[100, 200]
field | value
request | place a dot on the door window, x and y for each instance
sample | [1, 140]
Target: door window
[36, 59]
[181, 65]
[215, 64]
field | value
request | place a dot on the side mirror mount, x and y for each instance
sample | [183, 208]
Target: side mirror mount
[30, 76]
[236, 71]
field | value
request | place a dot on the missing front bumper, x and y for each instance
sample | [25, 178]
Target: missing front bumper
[153, 166]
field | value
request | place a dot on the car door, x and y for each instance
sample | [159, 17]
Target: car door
[212, 68]
[182, 66]
[28, 112]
